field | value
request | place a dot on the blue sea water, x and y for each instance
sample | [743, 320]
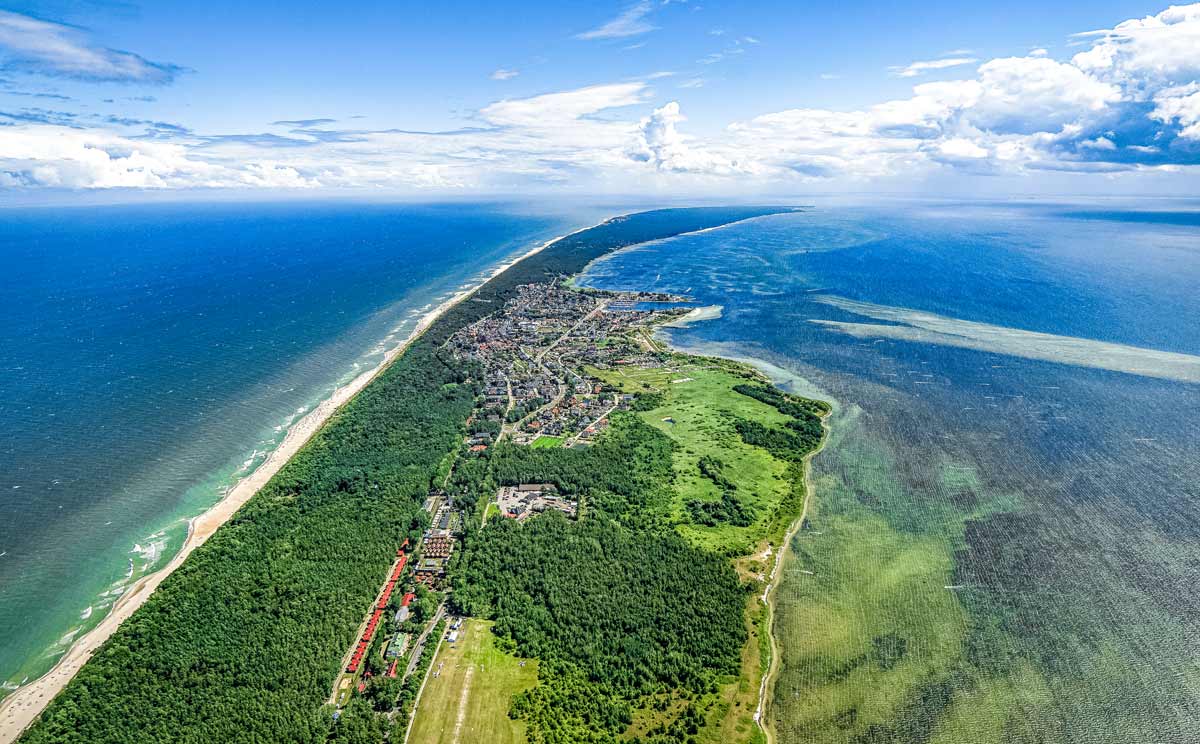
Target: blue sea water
[152, 355]
[987, 399]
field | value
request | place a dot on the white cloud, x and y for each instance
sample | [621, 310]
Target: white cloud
[920, 68]
[1027, 94]
[1179, 105]
[1159, 48]
[1117, 107]
[631, 22]
[503, 74]
[555, 109]
[61, 157]
[33, 45]
[662, 145]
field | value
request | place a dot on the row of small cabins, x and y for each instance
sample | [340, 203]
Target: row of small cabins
[364, 642]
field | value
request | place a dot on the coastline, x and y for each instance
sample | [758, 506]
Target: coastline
[22, 706]
[767, 686]
[772, 374]
[777, 377]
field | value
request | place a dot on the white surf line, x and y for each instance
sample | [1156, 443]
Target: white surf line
[22, 707]
[923, 327]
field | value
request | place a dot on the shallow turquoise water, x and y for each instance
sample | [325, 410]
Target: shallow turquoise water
[151, 355]
[1040, 362]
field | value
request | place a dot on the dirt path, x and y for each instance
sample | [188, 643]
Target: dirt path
[767, 687]
[412, 714]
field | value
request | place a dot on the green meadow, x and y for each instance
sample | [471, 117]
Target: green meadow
[698, 410]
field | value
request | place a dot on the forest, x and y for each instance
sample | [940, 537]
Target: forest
[618, 605]
[243, 641]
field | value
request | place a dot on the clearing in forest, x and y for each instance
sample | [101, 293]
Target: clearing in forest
[468, 701]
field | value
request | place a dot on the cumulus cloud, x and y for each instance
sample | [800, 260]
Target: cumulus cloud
[633, 21]
[1144, 53]
[32, 45]
[662, 145]
[1127, 103]
[92, 159]
[914, 69]
[1179, 105]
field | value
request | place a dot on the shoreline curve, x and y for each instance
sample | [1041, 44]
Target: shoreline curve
[20, 708]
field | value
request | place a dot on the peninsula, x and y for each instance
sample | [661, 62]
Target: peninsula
[529, 424]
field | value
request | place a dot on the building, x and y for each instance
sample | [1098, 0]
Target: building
[397, 646]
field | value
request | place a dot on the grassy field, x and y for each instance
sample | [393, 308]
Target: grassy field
[468, 700]
[545, 440]
[698, 412]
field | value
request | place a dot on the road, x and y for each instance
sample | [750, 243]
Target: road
[595, 311]
[419, 646]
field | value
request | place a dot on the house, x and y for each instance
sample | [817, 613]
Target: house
[397, 646]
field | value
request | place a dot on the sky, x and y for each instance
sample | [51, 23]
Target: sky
[659, 97]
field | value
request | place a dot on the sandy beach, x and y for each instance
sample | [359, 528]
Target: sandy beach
[20, 708]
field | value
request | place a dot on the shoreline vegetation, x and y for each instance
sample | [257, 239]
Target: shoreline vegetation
[706, 472]
[22, 706]
[244, 637]
[766, 693]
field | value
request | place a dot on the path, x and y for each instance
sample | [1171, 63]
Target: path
[461, 718]
[767, 686]
[419, 646]
[412, 714]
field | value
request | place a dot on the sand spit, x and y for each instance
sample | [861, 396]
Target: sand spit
[22, 707]
[708, 312]
[923, 327]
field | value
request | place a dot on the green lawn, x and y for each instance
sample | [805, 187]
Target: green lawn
[698, 412]
[468, 701]
[545, 440]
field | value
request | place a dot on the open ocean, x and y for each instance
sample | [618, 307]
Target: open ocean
[1005, 538]
[152, 355]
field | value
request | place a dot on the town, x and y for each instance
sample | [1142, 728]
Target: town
[530, 363]
[534, 356]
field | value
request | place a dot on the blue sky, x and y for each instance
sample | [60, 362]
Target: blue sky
[658, 96]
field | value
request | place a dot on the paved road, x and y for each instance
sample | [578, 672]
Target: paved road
[419, 646]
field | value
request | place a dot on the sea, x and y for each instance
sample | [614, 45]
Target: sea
[153, 355]
[1004, 535]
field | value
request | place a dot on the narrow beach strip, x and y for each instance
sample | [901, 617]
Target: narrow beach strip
[22, 706]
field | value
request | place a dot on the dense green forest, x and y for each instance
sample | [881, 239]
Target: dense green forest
[615, 612]
[242, 643]
[631, 608]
